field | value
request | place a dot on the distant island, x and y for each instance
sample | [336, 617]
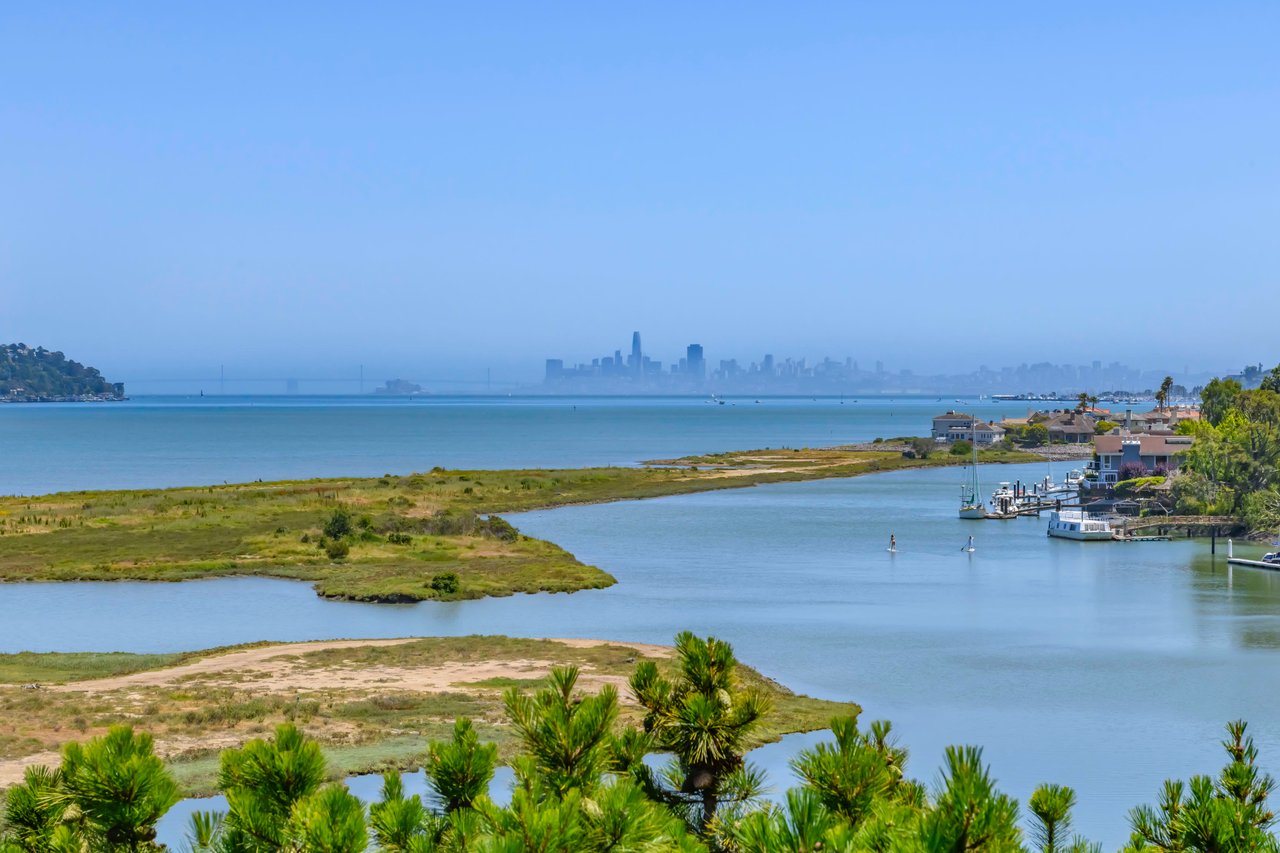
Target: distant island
[37, 375]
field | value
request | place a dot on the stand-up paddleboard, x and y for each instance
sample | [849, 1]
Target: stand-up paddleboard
[969, 547]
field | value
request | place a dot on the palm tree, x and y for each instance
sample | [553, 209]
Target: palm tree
[704, 718]
[1162, 395]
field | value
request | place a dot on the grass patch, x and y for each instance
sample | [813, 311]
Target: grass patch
[434, 535]
[57, 667]
[359, 702]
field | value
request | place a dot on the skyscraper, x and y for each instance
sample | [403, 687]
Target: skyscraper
[636, 363]
[694, 363]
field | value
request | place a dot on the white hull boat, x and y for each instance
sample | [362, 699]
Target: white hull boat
[1081, 526]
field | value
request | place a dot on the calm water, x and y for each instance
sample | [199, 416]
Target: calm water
[1103, 666]
[172, 441]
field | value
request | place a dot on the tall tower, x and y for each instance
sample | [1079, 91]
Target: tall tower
[695, 365]
[637, 361]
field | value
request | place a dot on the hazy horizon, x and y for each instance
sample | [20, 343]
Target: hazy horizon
[437, 193]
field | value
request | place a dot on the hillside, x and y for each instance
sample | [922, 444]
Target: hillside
[37, 375]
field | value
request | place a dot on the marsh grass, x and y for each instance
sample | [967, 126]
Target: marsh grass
[364, 726]
[410, 530]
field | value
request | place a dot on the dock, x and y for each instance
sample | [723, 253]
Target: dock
[1253, 564]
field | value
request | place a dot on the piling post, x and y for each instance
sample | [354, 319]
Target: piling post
[1213, 540]
[1228, 549]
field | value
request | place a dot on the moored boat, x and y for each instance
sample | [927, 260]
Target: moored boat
[1079, 525]
[971, 505]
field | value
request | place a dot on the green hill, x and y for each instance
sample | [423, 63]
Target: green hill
[35, 374]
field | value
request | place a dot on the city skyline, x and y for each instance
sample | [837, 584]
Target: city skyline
[468, 190]
[640, 372]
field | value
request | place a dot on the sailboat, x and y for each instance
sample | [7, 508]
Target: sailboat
[971, 505]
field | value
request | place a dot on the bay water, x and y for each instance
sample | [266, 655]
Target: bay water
[1105, 666]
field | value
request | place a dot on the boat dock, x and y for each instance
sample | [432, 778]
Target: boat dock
[1253, 564]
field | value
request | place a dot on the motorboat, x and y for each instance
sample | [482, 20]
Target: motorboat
[1079, 525]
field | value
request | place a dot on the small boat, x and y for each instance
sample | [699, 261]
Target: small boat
[1079, 525]
[971, 505]
[1074, 478]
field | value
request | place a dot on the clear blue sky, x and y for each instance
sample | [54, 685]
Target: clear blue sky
[430, 189]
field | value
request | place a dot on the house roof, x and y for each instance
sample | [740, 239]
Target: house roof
[1071, 423]
[979, 425]
[1149, 445]
[951, 416]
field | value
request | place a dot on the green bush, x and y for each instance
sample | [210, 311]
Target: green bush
[1128, 488]
[339, 524]
[920, 448]
[1035, 435]
[1104, 427]
[961, 448]
[338, 549]
[399, 539]
[445, 583]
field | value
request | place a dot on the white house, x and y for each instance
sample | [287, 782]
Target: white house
[957, 426]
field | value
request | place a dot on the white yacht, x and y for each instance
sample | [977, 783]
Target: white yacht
[1004, 500]
[1077, 524]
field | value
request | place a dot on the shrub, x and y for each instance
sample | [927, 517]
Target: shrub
[498, 528]
[919, 448]
[1035, 435]
[445, 583]
[338, 549]
[1126, 488]
[961, 448]
[1132, 471]
[1103, 427]
[399, 539]
[339, 524]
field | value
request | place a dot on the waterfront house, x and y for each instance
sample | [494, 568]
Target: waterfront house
[1156, 453]
[1070, 427]
[943, 424]
[1157, 420]
[956, 426]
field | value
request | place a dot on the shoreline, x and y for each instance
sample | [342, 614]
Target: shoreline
[420, 537]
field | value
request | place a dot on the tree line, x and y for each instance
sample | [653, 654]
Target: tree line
[1233, 468]
[39, 372]
[582, 784]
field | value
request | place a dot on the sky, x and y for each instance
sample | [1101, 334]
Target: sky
[437, 190]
